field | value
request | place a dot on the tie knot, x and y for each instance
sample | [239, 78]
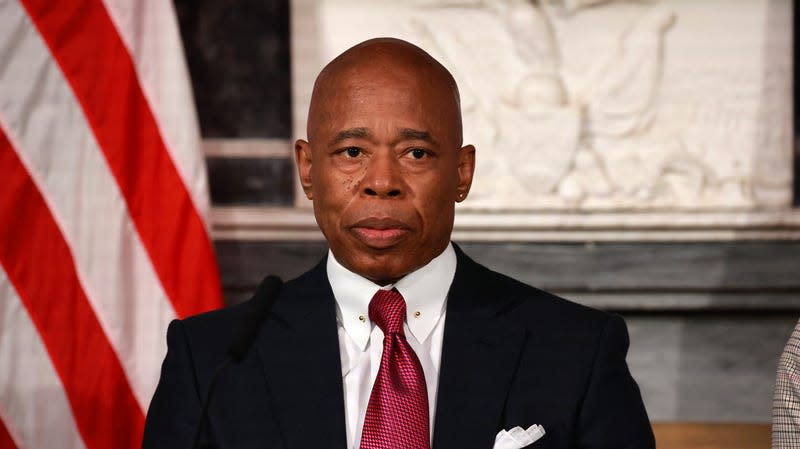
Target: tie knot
[387, 309]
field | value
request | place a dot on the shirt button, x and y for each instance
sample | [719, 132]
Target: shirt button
[362, 318]
[417, 313]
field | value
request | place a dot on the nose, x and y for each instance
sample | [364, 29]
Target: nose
[383, 178]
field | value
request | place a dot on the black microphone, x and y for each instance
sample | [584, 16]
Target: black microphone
[243, 337]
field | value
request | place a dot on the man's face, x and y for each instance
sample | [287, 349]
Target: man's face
[384, 170]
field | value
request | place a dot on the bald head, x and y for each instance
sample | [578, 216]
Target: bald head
[383, 164]
[382, 63]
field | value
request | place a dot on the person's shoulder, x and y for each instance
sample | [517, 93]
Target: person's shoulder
[211, 332]
[533, 307]
[543, 303]
[218, 325]
[219, 319]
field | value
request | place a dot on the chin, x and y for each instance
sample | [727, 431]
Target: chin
[379, 271]
[382, 276]
[381, 266]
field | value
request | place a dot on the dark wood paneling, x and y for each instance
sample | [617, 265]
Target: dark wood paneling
[238, 58]
[243, 264]
[689, 302]
[697, 356]
[247, 181]
[710, 368]
[738, 276]
[796, 164]
[642, 267]
[796, 98]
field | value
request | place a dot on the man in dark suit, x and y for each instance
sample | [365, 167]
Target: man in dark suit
[398, 339]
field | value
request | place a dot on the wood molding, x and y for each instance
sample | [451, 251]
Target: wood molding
[298, 224]
[712, 435]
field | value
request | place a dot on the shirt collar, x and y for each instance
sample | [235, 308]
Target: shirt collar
[424, 290]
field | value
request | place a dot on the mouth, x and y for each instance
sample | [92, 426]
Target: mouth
[380, 233]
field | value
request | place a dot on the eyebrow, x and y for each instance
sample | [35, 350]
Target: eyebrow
[414, 134]
[364, 133]
[352, 133]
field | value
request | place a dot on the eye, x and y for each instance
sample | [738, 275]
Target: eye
[352, 152]
[419, 153]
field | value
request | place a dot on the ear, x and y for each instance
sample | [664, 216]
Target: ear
[302, 154]
[466, 169]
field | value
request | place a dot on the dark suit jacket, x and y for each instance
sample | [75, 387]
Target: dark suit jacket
[512, 356]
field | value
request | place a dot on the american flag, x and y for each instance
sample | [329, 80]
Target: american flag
[103, 199]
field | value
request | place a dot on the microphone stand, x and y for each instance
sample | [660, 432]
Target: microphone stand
[266, 295]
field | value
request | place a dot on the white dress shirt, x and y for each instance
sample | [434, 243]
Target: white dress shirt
[361, 341]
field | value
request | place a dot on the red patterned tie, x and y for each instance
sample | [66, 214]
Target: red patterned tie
[397, 414]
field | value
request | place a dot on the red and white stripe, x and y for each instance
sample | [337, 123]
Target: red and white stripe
[102, 233]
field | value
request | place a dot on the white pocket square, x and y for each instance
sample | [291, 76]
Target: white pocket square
[518, 437]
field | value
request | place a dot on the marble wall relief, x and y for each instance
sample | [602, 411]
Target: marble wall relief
[597, 105]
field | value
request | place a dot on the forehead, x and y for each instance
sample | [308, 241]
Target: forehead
[382, 95]
[389, 80]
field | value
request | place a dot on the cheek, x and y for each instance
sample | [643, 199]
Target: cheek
[437, 204]
[333, 193]
[349, 183]
[333, 180]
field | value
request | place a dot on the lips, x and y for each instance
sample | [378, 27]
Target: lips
[380, 233]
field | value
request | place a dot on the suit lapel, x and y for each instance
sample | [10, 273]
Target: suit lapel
[299, 350]
[480, 353]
